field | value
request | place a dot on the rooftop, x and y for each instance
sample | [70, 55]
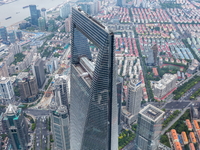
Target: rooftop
[11, 109]
[152, 112]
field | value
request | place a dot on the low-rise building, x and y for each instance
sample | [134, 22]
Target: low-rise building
[191, 146]
[177, 146]
[184, 137]
[192, 137]
[174, 136]
[189, 125]
[196, 125]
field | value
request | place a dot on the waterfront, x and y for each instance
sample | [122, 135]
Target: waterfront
[17, 13]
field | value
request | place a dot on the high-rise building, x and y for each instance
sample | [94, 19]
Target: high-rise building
[93, 109]
[11, 35]
[61, 91]
[6, 90]
[119, 3]
[3, 34]
[16, 127]
[134, 98]
[19, 35]
[15, 49]
[68, 24]
[42, 24]
[119, 99]
[149, 128]
[43, 13]
[35, 14]
[38, 72]
[1, 140]
[133, 101]
[28, 88]
[3, 69]
[52, 65]
[65, 10]
[60, 128]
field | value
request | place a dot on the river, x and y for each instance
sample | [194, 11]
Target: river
[17, 13]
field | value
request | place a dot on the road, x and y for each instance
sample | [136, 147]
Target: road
[41, 133]
[173, 121]
[36, 112]
[130, 146]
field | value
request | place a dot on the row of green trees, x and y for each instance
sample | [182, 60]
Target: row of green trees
[195, 94]
[167, 69]
[170, 118]
[49, 81]
[185, 87]
[125, 137]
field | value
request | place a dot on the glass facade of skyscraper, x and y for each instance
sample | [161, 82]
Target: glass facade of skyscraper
[93, 109]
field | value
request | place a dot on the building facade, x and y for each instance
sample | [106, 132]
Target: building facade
[61, 92]
[68, 24]
[16, 127]
[38, 72]
[93, 109]
[3, 34]
[35, 14]
[164, 86]
[44, 14]
[65, 10]
[149, 128]
[133, 103]
[42, 24]
[11, 36]
[3, 69]
[19, 35]
[28, 88]
[6, 90]
[60, 128]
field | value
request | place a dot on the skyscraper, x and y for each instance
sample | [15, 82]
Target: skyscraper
[119, 3]
[38, 71]
[43, 13]
[134, 98]
[34, 14]
[11, 36]
[19, 35]
[65, 10]
[149, 128]
[28, 88]
[60, 128]
[93, 107]
[6, 90]
[42, 24]
[68, 24]
[3, 33]
[16, 127]
[61, 91]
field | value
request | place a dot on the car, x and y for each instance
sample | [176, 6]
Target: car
[37, 144]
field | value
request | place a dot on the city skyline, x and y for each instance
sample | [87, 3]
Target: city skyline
[100, 75]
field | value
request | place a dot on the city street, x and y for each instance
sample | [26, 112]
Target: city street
[36, 112]
[41, 133]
